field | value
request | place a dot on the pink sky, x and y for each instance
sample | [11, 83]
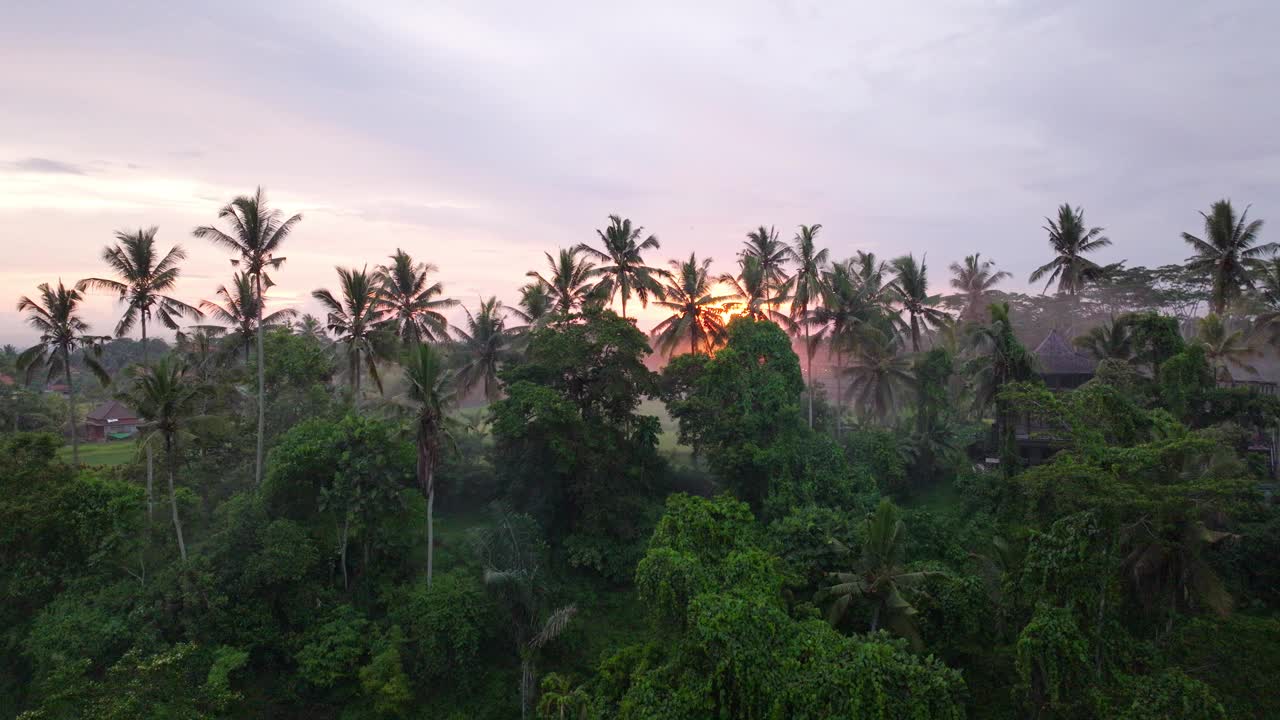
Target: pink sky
[478, 136]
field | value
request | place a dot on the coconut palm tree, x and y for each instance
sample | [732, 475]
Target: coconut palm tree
[910, 288]
[142, 279]
[409, 305]
[878, 374]
[806, 288]
[1110, 341]
[257, 234]
[851, 309]
[750, 292]
[430, 395]
[535, 302]
[569, 282]
[975, 279]
[240, 310]
[55, 314]
[879, 576]
[999, 359]
[623, 271]
[763, 244]
[354, 323]
[1228, 245]
[1071, 240]
[199, 347]
[1225, 348]
[695, 311]
[870, 273]
[310, 326]
[485, 345]
[165, 397]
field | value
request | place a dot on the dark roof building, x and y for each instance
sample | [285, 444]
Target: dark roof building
[1061, 365]
[111, 419]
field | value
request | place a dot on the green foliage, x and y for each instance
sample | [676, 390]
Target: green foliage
[331, 650]
[1171, 695]
[1237, 656]
[444, 628]
[1052, 663]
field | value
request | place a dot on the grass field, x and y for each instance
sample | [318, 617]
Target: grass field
[111, 453]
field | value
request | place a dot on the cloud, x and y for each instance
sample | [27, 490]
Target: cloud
[44, 165]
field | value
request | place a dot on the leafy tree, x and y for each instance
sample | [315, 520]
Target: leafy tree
[910, 288]
[430, 394]
[408, 304]
[624, 271]
[771, 254]
[569, 284]
[806, 288]
[144, 278]
[695, 312]
[1071, 240]
[975, 280]
[257, 234]
[56, 316]
[239, 309]
[354, 323]
[1229, 243]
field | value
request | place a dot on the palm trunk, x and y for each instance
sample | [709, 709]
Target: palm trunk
[526, 684]
[808, 349]
[839, 396]
[143, 320]
[342, 548]
[426, 480]
[915, 335]
[173, 496]
[355, 374]
[875, 618]
[151, 501]
[71, 406]
[262, 386]
[693, 338]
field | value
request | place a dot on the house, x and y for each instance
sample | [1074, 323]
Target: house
[112, 420]
[1060, 365]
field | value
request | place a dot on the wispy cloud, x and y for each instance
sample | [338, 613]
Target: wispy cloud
[43, 165]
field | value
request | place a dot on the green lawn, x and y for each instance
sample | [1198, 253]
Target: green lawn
[110, 453]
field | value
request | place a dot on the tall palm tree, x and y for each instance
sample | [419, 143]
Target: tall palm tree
[975, 280]
[851, 309]
[695, 312]
[806, 288]
[1000, 359]
[1225, 348]
[430, 395]
[199, 347]
[870, 273]
[750, 292]
[165, 397]
[910, 288]
[409, 305]
[624, 270]
[879, 374]
[569, 282]
[1229, 243]
[310, 326]
[535, 302]
[56, 315]
[257, 234]
[879, 576]
[1109, 341]
[354, 323]
[1071, 240]
[240, 309]
[773, 254]
[1266, 285]
[142, 279]
[484, 347]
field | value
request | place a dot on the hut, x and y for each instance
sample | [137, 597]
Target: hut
[112, 420]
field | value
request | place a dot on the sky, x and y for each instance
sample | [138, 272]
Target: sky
[478, 135]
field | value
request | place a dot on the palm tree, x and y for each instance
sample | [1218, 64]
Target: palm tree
[851, 310]
[975, 280]
[409, 305]
[750, 292]
[870, 273]
[1071, 240]
[806, 288]
[257, 234]
[695, 312]
[879, 374]
[1224, 347]
[569, 283]
[310, 326]
[535, 302]
[1109, 341]
[142, 279]
[199, 348]
[624, 271]
[240, 310]
[1228, 245]
[55, 314]
[484, 348]
[354, 322]
[165, 397]
[430, 395]
[879, 576]
[773, 254]
[562, 700]
[910, 288]
[1001, 360]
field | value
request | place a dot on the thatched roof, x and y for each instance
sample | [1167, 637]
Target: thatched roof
[111, 411]
[1058, 357]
